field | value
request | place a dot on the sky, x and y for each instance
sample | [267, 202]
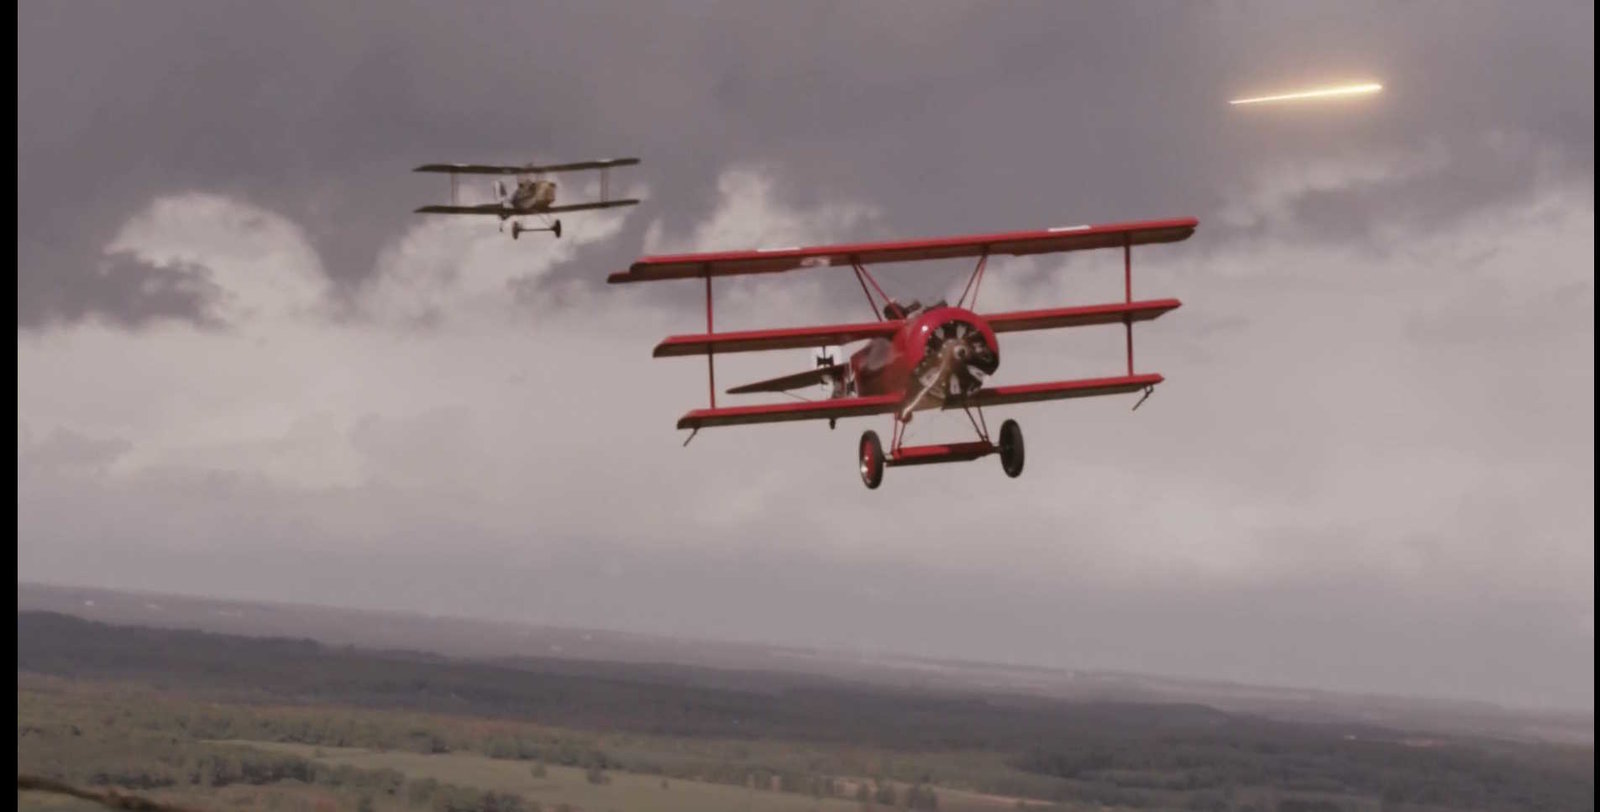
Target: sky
[246, 369]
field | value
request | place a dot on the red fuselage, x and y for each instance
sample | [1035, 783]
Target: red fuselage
[904, 364]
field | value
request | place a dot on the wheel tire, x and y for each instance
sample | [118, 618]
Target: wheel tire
[1011, 448]
[870, 458]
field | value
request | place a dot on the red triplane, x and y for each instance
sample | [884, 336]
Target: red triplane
[916, 357]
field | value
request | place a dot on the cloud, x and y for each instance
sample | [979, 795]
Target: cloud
[749, 216]
[246, 367]
[255, 264]
[463, 268]
[1275, 191]
[1314, 444]
[960, 121]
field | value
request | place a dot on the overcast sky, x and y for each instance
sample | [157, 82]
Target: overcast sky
[246, 369]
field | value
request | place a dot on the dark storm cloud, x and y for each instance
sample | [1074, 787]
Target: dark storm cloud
[951, 116]
[125, 290]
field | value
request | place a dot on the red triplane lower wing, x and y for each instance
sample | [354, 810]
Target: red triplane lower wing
[888, 404]
[835, 334]
[1059, 390]
[773, 260]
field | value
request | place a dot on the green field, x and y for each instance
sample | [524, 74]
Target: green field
[220, 722]
[49, 802]
[570, 785]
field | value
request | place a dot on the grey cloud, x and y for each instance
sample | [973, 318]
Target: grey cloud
[125, 290]
[953, 118]
[64, 450]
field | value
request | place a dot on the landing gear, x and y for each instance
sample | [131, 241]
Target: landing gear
[517, 228]
[871, 459]
[1011, 448]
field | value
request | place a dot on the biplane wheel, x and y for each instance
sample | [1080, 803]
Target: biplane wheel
[1011, 448]
[871, 458]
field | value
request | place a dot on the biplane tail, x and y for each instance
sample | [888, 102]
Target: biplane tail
[789, 383]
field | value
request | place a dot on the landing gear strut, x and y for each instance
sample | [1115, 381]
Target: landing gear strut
[871, 459]
[518, 228]
[1011, 448]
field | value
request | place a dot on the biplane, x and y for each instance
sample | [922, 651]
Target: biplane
[533, 194]
[916, 357]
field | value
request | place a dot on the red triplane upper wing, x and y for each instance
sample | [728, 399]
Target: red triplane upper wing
[774, 260]
[888, 404]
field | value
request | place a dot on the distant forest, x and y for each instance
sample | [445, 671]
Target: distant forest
[1127, 753]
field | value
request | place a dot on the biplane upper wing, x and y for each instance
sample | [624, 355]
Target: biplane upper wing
[497, 169]
[888, 404]
[1017, 243]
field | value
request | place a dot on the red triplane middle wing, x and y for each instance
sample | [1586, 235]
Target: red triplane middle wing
[830, 334]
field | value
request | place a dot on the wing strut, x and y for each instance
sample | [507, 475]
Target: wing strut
[1148, 391]
[711, 364]
[1127, 288]
[973, 281]
[864, 276]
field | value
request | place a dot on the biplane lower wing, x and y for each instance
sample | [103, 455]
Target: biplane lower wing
[1016, 243]
[784, 339]
[486, 208]
[888, 404]
[505, 211]
[599, 204]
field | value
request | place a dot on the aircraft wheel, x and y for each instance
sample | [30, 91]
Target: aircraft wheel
[871, 459]
[1011, 448]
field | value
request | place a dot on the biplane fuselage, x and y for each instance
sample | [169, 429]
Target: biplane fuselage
[530, 197]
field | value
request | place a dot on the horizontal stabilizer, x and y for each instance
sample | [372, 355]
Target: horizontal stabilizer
[799, 380]
[784, 339]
